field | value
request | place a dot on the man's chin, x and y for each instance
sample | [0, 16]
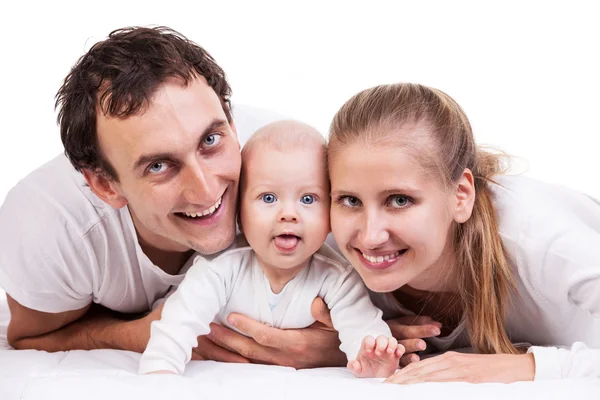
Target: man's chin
[213, 245]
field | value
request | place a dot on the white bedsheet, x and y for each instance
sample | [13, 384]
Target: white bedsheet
[111, 375]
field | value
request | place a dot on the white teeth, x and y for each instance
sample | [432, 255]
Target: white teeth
[208, 211]
[380, 259]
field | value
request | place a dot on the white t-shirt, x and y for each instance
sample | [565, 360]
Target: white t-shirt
[551, 237]
[235, 282]
[273, 298]
[61, 247]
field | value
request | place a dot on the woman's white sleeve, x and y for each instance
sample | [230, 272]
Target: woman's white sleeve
[569, 275]
[578, 361]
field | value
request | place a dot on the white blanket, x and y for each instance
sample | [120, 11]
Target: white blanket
[111, 375]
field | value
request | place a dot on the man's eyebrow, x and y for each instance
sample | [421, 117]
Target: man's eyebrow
[147, 159]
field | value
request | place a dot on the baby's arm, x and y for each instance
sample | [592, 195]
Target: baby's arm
[185, 316]
[366, 339]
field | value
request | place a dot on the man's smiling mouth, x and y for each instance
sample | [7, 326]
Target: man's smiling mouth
[202, 213]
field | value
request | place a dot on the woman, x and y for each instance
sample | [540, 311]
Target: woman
[427, 219]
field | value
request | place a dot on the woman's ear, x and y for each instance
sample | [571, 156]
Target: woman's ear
[105, 188]
[465, 197]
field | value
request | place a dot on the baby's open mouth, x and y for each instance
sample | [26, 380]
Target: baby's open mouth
[286, 241]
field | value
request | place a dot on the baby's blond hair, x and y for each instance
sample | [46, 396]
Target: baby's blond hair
[285, 136]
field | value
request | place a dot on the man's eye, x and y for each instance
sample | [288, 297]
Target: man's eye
[157, 168]
[307, 199]
[269, 198]
[212, 139]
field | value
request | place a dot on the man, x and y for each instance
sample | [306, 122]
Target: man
[92, 240]
[145, 117]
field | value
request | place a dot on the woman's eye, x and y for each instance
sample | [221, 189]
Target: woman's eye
[157, 168]
[307, 199]
[212, 139]
[269, 198]
[350, 201]
[398, 201]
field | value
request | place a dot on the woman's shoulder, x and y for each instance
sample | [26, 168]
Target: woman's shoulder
[549, 232]
[525, 204]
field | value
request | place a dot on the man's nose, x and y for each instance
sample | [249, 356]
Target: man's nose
[199, 184]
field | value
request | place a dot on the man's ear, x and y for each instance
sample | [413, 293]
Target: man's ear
[464, 197]
[104, 188]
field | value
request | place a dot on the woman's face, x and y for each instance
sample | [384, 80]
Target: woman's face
[391, 219]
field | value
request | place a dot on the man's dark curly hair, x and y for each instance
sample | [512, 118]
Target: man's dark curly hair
[119, 76]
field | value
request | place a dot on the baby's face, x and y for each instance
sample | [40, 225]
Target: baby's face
[285, 205]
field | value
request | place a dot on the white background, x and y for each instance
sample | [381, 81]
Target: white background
[526, 73]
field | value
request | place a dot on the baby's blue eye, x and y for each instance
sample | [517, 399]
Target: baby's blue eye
[269, 198]
[308, 199]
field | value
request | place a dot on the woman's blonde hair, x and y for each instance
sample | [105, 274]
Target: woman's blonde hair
[381, 115]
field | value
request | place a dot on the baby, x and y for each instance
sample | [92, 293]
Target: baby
[284, 265]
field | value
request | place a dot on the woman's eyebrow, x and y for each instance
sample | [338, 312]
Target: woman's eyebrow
[342, 193]
[400, 189]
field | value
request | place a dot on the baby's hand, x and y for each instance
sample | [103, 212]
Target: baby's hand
[377, 358]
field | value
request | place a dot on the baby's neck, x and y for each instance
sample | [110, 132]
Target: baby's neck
[279, 277]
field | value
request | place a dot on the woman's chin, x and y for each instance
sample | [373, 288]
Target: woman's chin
[381, 285]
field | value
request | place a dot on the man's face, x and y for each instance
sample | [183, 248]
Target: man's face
[178, 166]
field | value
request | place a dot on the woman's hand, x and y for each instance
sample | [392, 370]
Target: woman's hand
[472, 368]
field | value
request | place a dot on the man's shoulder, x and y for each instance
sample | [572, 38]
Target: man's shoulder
[49, 172]
[51, 216]
[53, 195]
[61, 245]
